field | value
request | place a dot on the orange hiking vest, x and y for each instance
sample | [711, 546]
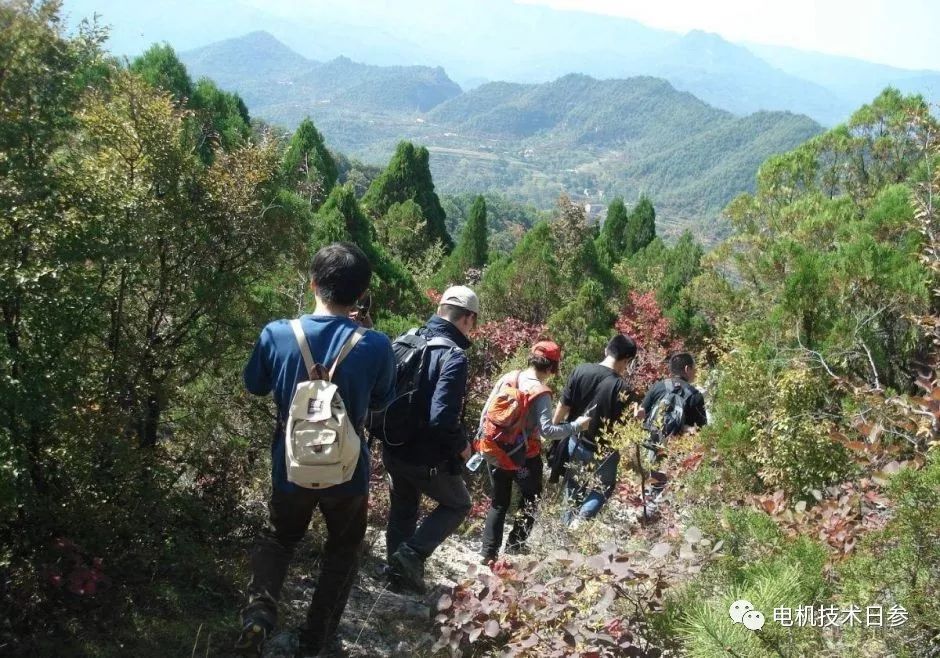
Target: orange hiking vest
[502, 438]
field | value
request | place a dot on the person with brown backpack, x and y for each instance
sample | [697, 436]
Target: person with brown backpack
[517, 412]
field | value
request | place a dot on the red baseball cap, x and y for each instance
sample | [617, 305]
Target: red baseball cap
[548, 349]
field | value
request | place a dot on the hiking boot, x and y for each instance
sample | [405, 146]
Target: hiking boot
[487, 559]
[254, 634]
[519, 548]
[408, 568]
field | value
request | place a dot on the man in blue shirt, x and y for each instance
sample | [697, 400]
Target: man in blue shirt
[339, 276]
[429, 462]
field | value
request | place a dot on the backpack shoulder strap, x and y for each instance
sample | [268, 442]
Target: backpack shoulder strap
[443, 341]
[302, 344]
[348, 346]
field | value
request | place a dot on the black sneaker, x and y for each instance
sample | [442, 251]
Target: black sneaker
[408, 568]
[254, 634]
[487, 559]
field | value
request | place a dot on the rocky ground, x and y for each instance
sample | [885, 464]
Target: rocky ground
[385, 623]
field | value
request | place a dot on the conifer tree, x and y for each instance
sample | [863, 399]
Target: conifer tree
[308, 166]
[341, 218]
[612, 242]
[641, 228]
[526, 285]
[471, 251]
[408, 176]
[161, 67]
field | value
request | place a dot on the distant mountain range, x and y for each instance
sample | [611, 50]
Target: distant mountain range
[577, 135]
[504, 40]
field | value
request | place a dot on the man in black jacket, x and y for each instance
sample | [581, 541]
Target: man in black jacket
[429, 462]
[678, 387]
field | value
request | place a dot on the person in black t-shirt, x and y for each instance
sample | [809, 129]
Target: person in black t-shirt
[599, 391]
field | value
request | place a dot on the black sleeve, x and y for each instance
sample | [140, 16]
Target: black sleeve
[652, 395]
[696, 414]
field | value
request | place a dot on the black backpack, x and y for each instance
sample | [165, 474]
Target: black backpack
[398, 421]
[668, 415]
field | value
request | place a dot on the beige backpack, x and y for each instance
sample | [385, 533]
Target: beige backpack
[322, 446]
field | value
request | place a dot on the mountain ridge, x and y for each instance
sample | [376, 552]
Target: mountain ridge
[587, 137]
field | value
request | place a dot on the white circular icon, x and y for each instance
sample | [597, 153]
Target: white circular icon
[753, 619]
[737, 610]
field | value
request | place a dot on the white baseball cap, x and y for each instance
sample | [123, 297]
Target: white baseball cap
[463, 297]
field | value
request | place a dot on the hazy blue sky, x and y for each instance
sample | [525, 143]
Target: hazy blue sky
[899, 32]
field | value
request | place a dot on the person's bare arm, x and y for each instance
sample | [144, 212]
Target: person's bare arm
[561, 413]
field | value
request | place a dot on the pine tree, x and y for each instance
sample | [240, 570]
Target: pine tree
[160, 67]
[472, 250]
[308, 166]
[641, 228]
[582, 327]
[408, 176]
[612, 242]
[525, 285]
[341, 218]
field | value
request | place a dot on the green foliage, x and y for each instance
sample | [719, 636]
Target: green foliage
[583, 326]
[758, 565]
[506, 220]
[641, 226]
[402, 230]
[133, 266]
[772, 427]
[162, 69]
[341, 218]
[408, 177]
[527, 284]
[308, 167]
[827, 254]
[472, 249]
[226, 118]
[612, 243]
[900, 564]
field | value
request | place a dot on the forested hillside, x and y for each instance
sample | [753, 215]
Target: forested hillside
[590, 139]
[150, 229]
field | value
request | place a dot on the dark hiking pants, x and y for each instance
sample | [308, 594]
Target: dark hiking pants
[407, 483]
[290, 514]
[529, 486]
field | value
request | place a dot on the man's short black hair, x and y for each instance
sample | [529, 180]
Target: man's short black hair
[453, 313]
[679, 362]
[543, 363]
[341, 273]
[620, 347]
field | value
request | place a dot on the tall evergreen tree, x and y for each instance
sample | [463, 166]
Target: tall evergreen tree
[527, 284]
[225, 116]
[308, 166]
[408, 176]
[341, 218]
[472, 248]
[160, 66]
[612, 242]
[641, 228]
